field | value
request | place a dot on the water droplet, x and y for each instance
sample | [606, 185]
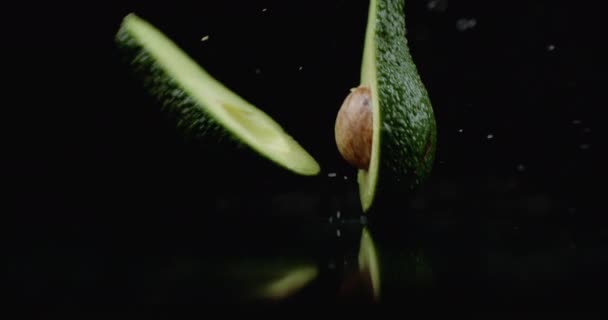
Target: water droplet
[338, 233]
[205, 38]
[331, 219]
[464, 24]
[437, 5]
[338, 214]
[363, 220]
[585, 146]
[550, 47]
[332, 174]
[490, 136]
[460, 130]
[521, 167]
[345, 178]
[265, 9]
[300, 68]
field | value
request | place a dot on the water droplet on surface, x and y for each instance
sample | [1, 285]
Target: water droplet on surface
[460, 130]
[464, 24]
[490, 136]
[300, 68]
[332, 174]
[265, 9]
[205, 38]
[338, 214]
[550, 47]
[345, 178]
[363, 220]
[338, 233]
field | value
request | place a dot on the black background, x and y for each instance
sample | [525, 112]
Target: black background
[107, 200]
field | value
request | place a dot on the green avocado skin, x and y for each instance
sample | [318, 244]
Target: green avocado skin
[408, 128]
[191, 119]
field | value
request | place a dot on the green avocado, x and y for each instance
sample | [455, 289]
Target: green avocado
[404, 128]
[203, 105]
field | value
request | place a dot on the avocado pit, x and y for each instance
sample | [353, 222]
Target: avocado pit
[354, 127]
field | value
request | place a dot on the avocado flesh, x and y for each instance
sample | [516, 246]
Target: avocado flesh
[404, 129]
[204, 105]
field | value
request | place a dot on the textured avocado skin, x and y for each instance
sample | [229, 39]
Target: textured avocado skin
[192, 119]
[408, 128]
[190, 116]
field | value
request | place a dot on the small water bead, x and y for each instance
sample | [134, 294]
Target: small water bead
[437, 5]
[363, 220]
[464, 24]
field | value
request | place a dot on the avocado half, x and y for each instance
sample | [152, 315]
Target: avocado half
[205, 106]
[404, 127]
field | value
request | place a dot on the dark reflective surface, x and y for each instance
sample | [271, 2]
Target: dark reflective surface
[108, 203]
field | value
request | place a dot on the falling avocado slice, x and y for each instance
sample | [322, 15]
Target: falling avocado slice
[386, 126]
[203, 105]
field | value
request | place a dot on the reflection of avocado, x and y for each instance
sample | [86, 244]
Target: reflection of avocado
[368, 262]
[260, 279]
[289, 282]
[392, 272]
[203, 105]
[404, 129]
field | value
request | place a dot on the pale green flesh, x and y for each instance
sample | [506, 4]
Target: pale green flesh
[368, 261]
[369, 178]
[248, 124]
[289, 283]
